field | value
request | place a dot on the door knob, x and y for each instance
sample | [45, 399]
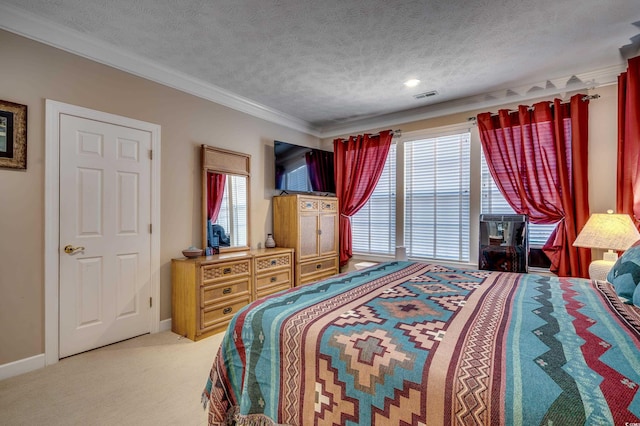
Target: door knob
[69, 249]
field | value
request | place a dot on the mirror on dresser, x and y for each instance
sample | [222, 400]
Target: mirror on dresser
[225, 198]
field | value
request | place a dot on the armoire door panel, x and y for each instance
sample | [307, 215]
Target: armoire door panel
[308, 235]
[327, 236]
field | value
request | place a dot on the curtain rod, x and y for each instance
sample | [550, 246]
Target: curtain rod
[584, 98]
[394, 133]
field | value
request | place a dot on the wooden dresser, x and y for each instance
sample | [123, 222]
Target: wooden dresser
[273, 271]
[207, 291]
[309, 224]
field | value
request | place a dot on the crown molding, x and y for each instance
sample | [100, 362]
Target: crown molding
[43, 31]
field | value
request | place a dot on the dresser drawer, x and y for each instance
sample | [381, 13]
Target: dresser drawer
[329, 206]
[219, 313]
[277, 278]
[267, 263]
[308, 205]
[210, 294]
[226, 270]
[322, 266]
[270, 290]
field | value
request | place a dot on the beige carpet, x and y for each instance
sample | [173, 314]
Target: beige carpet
[150, 380]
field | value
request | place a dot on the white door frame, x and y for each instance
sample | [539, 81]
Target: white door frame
[52, 215]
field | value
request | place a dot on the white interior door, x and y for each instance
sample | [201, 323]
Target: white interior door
[105, 216]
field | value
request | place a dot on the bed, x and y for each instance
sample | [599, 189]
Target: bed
[410, 343]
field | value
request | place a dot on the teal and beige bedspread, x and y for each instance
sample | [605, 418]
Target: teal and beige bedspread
[407, 343]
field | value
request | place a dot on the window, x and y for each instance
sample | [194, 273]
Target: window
[494, 203]
[437, 197]
[437, 207]
[234, 207]
[374, 226]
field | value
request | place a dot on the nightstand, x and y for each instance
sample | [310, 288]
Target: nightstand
[598, 269]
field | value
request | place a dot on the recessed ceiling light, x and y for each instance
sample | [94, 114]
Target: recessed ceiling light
[412, 83]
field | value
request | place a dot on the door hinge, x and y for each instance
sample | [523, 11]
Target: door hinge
[151, 302]
[150, 154]
[151, 228]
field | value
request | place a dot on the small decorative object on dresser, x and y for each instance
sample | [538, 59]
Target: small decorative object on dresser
[270, 242]
[192, 252]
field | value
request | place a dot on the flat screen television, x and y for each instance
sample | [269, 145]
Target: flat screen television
[303, 169]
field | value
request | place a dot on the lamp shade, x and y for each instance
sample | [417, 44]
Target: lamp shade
[608, 231]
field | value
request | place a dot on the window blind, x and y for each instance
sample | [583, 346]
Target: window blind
[437, 197]
[373, 227]
[238, 191]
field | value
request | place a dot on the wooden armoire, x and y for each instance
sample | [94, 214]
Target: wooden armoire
[309, 225]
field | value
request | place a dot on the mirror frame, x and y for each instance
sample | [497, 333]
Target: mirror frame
[219, 160]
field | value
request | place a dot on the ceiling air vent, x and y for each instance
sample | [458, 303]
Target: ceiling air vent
[425, 94]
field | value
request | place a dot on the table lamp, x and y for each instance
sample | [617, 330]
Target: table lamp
[607, 231]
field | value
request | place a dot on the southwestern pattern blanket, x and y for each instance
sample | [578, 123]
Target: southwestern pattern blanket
[409, 343]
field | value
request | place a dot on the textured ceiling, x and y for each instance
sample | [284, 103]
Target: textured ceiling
[333, 62]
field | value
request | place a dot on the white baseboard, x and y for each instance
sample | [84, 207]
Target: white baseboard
[35, 362]
[21, 366]
[165, 325]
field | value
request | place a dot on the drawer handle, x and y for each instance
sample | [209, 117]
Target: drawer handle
[226, 271]
[226, 290]
[273, 262]
[319, 265]
[274, 279]
[227, 310]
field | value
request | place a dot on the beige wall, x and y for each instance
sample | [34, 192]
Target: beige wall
[32, 72]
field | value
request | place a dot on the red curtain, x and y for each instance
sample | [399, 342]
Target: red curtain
[628, 187]
[358, 165]
[320, 166]
[215, 191]
[538, 159]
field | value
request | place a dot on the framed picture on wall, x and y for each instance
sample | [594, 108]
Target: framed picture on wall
[13, 135]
